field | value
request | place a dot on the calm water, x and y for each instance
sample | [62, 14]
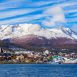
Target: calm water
[37, 70]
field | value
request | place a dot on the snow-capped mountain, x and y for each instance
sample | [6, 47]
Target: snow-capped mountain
[22, 30]
[28, 35]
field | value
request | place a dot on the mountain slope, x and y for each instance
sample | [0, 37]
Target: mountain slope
[24, 29]
[27, 36]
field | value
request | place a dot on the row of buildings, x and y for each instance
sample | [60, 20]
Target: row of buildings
[26, 56]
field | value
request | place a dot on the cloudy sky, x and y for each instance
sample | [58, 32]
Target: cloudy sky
[46, 13]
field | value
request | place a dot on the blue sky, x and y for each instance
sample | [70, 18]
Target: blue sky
[46, 13]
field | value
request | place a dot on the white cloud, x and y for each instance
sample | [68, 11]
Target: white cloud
[9, 4]
[66, 4]
[10, 13]
[72, 19]
[20, 3]
[21, 19]
[40, 3]
[15, 12]
[56, 15]
[48, 22]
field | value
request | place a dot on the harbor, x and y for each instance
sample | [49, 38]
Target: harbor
[37, 57]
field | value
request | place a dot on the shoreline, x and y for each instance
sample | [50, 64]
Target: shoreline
[36, 63]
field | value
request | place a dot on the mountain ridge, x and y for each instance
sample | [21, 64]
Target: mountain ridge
[25, 29]
[32, 36]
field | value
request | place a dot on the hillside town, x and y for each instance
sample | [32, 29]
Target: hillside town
[27, 56]
[51, 46]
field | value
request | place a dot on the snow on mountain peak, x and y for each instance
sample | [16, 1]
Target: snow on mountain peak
[20, 30]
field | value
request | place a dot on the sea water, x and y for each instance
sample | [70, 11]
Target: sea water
[38, 70]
